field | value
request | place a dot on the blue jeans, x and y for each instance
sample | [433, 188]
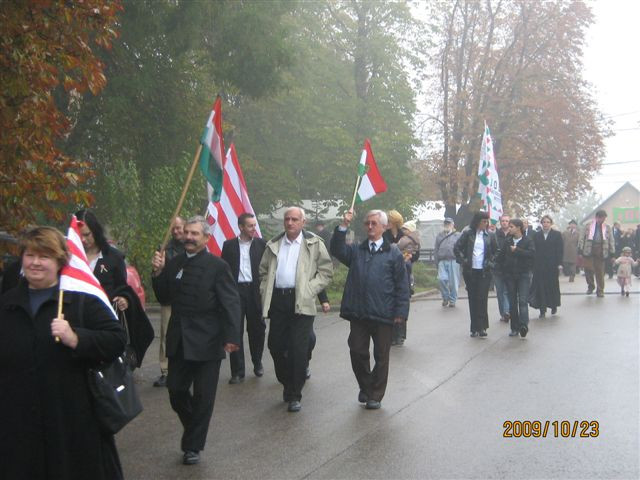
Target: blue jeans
[449, 279]
[518, 286]
[502, 293]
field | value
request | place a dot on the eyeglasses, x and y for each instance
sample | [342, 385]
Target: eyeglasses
[372, 223]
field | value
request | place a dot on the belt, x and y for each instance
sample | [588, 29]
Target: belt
[284, 291]
[245, 284]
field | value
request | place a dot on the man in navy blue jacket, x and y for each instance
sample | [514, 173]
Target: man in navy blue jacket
[376, 296]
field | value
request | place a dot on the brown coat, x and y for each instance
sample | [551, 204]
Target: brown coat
[570, 245]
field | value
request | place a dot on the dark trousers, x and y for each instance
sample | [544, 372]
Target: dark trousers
[518, 287]
[255, 330]
[194, 410]
[289, 342]
[373, 382]
[477, 283]
[595, 264]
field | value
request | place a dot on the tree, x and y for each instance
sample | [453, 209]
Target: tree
[48, 58]
[350, 81]
[515, 64]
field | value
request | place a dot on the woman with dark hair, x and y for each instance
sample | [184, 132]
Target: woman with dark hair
[49, 429]
[545, 286]
[106, 262]
[516, 259]
[475, 251]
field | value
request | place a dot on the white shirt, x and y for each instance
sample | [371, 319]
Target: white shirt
[244, 272]
[288, 262]
[516, 241]
[478, 251]
[546, 234]
[92, 263]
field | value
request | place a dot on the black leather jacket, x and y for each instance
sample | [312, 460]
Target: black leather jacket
[463, 250]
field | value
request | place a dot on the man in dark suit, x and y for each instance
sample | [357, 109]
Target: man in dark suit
[243, 254]
[205, 323]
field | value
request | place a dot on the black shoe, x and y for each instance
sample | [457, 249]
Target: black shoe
[362, 397]
[523, 331]
[191, 457]
[473, 334]
[482, 333]
[554, 310]
[161, 381]
[307, 373]
[626, 294]
[589, 291]
[622, 292]
[372, 405]
[235, 379]
[258, 370]
[542, 315]
[294, 406]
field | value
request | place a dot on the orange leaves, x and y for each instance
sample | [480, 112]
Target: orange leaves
[47, 47]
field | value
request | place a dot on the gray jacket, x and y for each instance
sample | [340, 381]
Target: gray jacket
[445, 241]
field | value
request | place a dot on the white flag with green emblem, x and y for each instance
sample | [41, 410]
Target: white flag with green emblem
[488, 182]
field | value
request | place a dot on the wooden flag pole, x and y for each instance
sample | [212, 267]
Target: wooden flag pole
[185, 188]
[355, 191]
[60, 297]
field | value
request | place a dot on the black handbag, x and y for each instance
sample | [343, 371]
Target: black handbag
[115, 398]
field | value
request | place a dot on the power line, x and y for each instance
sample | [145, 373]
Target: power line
[620, 163]
[621, 114]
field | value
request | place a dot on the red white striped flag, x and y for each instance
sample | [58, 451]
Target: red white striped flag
[234, 201]
[77, 276]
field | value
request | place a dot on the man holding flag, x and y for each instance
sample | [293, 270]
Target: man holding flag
[205, 323]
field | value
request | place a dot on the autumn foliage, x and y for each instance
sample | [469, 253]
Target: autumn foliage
[48, 62]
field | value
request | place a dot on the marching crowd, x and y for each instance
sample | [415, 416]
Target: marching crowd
[206, 302]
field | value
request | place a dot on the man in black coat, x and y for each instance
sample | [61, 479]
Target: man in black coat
[376, 297]
[243, 254]
[205, 323]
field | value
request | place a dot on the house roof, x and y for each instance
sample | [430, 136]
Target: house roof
[593, 212]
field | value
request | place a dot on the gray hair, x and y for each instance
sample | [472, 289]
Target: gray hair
[203, 223]
[381, 214]
[302, 214]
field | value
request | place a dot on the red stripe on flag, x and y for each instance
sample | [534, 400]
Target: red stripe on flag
[377, 182]
[81, 275]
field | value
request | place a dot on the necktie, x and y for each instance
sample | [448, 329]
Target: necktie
[373, 248]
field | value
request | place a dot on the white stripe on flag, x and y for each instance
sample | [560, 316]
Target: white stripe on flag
[366, 191]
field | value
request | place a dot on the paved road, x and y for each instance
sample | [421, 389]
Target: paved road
[443, 414]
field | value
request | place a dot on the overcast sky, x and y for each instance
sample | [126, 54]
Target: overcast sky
[612, 67]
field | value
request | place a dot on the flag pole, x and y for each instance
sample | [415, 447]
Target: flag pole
[60, 297]
[355, 192]
[185, 188]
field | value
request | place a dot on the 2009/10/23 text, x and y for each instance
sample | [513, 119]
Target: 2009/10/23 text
[548, 428]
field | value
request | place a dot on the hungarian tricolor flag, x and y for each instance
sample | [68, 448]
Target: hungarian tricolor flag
[211, 157]
[371, 182]
[234, 201]
[77, 276]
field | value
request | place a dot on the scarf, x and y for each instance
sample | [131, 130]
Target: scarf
[592, 231]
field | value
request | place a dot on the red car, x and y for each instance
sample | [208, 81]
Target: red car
[133, 279]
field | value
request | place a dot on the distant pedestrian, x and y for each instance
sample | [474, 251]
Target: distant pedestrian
[596, 245]
[393, 233]
[173, 248]
[448, 268]
[545, 285]
[376, 297]
[625, 270]
[502, 294]
[409, 246]
[475, 251]
[515, 258]
[570, 238]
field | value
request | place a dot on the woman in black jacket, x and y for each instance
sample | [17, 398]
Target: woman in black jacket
[475, 251]
[49, 429]
[106, 261]
[516, 259]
